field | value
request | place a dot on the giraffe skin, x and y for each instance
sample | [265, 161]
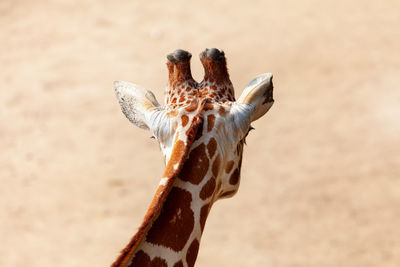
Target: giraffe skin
[201, 130]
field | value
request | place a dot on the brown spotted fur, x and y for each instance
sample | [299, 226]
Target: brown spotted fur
[169, 220]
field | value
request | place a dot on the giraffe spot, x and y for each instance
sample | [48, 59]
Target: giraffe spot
[192, 107]
[142, 259]
[175, 223]
[203, 215]
[174, 100]
[177, 154]
[212, 147]
[234, 177]
[228, 193]
[192, 130]
[211, 122]
[199, 131]
[229, 166]
[208, 189]
[208, 106]
[213, 87]
[182, 99]
[185, 120]
[191, 254]
[222, 111]
[215, 166]
[196, 166]
[178, 264]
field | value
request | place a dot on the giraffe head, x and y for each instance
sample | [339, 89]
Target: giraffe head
[204, 116]
[201, 131]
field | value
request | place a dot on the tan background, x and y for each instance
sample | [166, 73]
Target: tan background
[321, 173]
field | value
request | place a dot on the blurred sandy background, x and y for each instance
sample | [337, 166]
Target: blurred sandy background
[321, 173]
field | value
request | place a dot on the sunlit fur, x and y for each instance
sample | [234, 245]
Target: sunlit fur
[201, 131]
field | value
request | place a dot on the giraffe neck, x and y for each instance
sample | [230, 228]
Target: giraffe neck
[174, 238]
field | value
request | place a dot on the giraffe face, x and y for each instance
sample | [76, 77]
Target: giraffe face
[201, 118]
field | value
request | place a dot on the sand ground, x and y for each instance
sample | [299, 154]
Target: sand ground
[321, 173]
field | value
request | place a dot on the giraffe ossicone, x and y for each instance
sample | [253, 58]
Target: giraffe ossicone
[201, 130]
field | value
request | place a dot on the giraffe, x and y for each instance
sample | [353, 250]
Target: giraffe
[201, 131]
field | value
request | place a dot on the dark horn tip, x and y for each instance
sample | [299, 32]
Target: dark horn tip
[213, 54]
[179, 55]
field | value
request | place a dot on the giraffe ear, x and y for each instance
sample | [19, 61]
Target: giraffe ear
[257, 96]
[138, 104]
